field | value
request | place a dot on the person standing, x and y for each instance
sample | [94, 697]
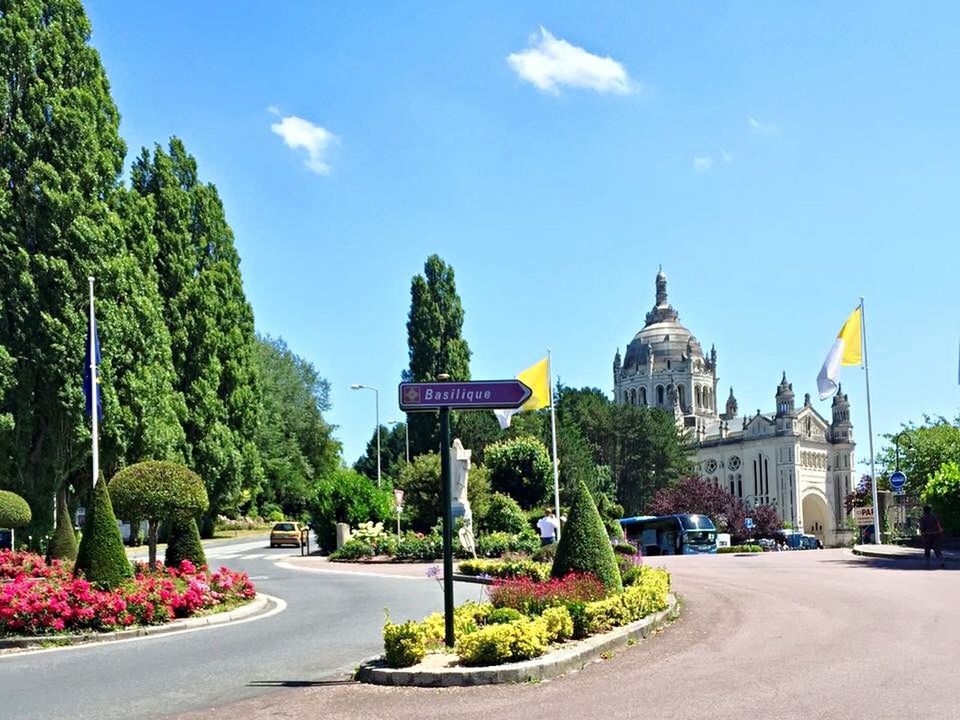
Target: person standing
[932, 532]
[548, 526]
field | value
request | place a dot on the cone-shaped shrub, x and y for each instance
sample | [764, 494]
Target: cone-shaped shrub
[14, 510]
[584, 545]
[63, 545]
[101, 558]
[184, 543]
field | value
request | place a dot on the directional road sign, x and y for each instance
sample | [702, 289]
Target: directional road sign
[473, 395]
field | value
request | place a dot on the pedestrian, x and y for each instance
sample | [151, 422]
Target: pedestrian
[932, 532]
[548, 526]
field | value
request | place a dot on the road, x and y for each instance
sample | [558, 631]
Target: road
[329, 624]
[812, 635]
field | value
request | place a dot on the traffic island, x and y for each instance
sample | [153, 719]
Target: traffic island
[261, 605]
[440, 669]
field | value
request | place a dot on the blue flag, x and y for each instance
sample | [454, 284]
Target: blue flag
[87, 384]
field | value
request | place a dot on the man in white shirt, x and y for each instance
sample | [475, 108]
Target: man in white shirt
[548, 526]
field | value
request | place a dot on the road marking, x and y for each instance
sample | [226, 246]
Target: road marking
[281, 605]
[288, 566]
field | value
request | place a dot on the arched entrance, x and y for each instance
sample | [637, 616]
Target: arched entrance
[816, 517]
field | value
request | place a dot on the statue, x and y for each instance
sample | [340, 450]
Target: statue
[459, 472]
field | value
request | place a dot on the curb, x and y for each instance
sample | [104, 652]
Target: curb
[548, 666]
[259, 604]
[858, 550]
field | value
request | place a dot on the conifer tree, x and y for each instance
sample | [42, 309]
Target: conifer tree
[584, 546]
[63, 544]
[101, 558]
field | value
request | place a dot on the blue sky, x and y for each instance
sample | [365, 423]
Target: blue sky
[778, 161]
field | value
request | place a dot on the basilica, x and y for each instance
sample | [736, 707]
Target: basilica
[792, 458]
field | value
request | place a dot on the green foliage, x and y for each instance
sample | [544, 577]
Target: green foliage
[157, 489]
[101, 558]
[354, 549]
[625, 549]
[417, 546]
[346, 496]
[497, 644]
[14, 510]
[740, 549]
[506, 568]
[63, 544]
[403, 644]
[943, 494]
[521, 468]
[504, 615]
[296, 445]
[584, 546]
[498, 543]
[923, 449]
[210, 324]
[420, 482]
[545, 554]
[559, 623]
[184, 543]
[434, 342]
[647, 595]
[504, 515]
[393, 453]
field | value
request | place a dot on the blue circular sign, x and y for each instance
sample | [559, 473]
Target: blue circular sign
[898, 480]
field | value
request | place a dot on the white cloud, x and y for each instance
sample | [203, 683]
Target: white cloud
[273, 109]
[703, 163]
[550, 63]
[299, 133]
[770, 129]
[726, 157]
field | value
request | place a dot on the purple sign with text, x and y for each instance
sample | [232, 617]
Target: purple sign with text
[473, 395]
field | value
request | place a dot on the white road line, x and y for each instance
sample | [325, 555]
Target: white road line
[288, 566]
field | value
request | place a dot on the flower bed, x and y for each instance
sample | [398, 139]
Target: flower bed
[371, 540]
[519, 568]
[41, 599]
[550, 612]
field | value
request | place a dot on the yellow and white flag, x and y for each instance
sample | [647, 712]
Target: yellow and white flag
[847, 350]
[537, 378]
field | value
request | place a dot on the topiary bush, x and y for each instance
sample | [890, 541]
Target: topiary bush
[158, 490]
[504, 615]
[14, 510]
[63, 545]
[184, 543]
[101, 558]
[584, 546]
[504, 515]
[740, 549]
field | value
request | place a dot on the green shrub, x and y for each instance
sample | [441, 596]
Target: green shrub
[741, 549]
[403, 644]
[545, 553]
[101, 557]
[559, 623]
[497, 644]
[466, 619]
[505, 568]
[584, 546]
[354, 549]
[578, 616]
[348, 497]
[625, 549]
[63, 544]
[942, 492]
[646, 596]
[520, 467]
[500, 616]
[413, 546]
[184, 543]
[630, 575]
[504, 515]
[14, 510]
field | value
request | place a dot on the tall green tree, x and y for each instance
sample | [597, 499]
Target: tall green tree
[296, 445]
[210, 324]
[60, 199]
[435, 343]
[923, 450]
[393, 448]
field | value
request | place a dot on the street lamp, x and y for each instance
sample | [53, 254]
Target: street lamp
[377, 400]
[406, 435]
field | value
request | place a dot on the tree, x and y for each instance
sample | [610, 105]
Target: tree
[434, 342]
[393, 453]
[295, 443]
[63, 544]
[210, 324]
[584, 545]
[347, 497]
[923, 449]
[101, 558]
[158, 490]
[521, 468]
[184, 543]
[943, 493]
[505, 515]
[420, 482]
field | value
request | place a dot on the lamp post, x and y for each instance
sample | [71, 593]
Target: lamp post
[406, 435]
[377, 400]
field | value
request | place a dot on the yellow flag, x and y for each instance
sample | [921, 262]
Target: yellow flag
[537, 378]
[852, 336]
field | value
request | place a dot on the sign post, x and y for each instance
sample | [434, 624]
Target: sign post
[444, 397]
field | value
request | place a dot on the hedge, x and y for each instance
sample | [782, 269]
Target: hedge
[505, 568]
[740, 549]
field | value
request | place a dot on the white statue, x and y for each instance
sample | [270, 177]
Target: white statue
[459, 472]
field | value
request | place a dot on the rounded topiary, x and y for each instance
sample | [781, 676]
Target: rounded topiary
[184, 543]
[504, 615]
[504, 515]
[14, 510]
[63, 544]
[584, 546]
[101, 558]
[157, 490]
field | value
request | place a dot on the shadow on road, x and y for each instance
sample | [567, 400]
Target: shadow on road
[299, 683]
[894, 564]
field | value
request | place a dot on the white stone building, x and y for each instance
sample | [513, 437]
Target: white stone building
[792, 458]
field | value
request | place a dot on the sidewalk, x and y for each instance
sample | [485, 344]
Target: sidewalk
[899, 552]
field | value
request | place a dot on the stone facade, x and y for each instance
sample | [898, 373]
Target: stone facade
[792, 459]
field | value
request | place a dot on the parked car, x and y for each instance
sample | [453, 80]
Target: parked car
[287, 533]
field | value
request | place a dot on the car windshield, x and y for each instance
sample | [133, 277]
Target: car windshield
[284, 526]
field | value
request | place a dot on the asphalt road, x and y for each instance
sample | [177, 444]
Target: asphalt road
[812, 635]
[330, 622]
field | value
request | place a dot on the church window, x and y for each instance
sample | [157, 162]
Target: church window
[740, 488]
[696, 397]
[633, 397]
[643, 396]
[682, 396]
[659, 394]
[732, 489]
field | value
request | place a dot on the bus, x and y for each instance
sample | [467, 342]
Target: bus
[671, 534]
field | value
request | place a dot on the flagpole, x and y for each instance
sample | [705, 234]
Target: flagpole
[94, 381]
[553, 427]
[877, 538]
